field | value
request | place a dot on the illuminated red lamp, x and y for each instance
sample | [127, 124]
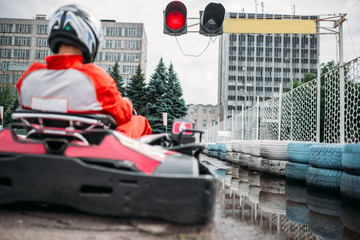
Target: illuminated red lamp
[175, 22]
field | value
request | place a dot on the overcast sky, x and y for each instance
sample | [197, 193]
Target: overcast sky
[198, 75]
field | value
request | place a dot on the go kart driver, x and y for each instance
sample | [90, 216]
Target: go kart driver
[70, 82]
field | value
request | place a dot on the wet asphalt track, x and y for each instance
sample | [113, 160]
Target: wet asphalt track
[244, 210]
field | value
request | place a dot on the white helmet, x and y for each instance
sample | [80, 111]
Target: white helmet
[73, 24]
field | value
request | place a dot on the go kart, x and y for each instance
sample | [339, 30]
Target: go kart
[80, 161]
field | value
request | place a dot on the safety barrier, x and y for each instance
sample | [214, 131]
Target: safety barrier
[326, 109]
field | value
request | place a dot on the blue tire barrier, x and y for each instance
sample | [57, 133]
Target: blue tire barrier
[213, 153]
[350, 187]
[296, 191]
[348, 234]
[351, 158]
[299, 151]
[325, 226]
[211, 146]
[220, 172]
[324, 202]
[297, 212]
[223, 156]
[350, 217]
[328, 156]
[324, 178]
[296, 171]
[220, 146]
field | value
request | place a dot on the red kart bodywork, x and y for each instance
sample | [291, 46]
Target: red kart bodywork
[101, 171]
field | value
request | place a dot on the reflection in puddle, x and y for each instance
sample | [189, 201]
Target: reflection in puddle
[289, 208]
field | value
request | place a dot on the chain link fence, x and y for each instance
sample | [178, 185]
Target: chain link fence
[322, 110]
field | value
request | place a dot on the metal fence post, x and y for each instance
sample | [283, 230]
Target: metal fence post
[342, 85]
[318, 82]
[257, 117]
[243, 123]
[280, 111]
[232, 125]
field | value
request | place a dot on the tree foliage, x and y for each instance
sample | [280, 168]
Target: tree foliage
[163, 94]
[174, 95]
[6, 98]
[136, 91]
[115, 74]
[157, 102]
[12, 108]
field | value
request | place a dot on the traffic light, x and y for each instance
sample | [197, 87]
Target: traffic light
[211, 19]
[175, 22]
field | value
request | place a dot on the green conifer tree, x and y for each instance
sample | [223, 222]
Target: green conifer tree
[6, 98]
[174, 95]
[136, 91]
[12, 108]
[115, 74]
[157, 103]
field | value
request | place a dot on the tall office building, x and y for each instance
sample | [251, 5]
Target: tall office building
[252, 65]
[24, 41]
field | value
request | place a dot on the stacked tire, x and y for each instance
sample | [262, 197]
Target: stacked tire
[324, 213]
[350, 180]
[273, 157]
[232, 156]
[325, 169]
[298, 154]
[296, 207]
[272, 197]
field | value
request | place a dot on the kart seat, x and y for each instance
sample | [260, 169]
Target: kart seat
[65, 120]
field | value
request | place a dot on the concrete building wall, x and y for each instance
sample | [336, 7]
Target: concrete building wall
[252, 65]
[204, 115]
[24, 41]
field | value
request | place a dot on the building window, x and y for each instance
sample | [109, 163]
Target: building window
[21, 53]
[5, 28]
[22, 28]
[112, 31]
[132, 32]
[204, 111]
[41, 42]
[41, 29]
[16, 66]
[126, 69]
[5, 40]
[22, 41]
[5, 53]
[41, 54]
[231, 97]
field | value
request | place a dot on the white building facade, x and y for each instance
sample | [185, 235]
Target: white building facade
[24, 41]
[252, 65]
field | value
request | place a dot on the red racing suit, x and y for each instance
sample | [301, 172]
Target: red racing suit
[66, 84]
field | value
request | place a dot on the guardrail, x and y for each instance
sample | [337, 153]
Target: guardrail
[326, 109]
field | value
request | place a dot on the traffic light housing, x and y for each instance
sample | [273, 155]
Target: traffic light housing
[211, 19]
[175, 19]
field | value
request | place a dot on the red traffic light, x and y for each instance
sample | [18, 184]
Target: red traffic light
[175, 18]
